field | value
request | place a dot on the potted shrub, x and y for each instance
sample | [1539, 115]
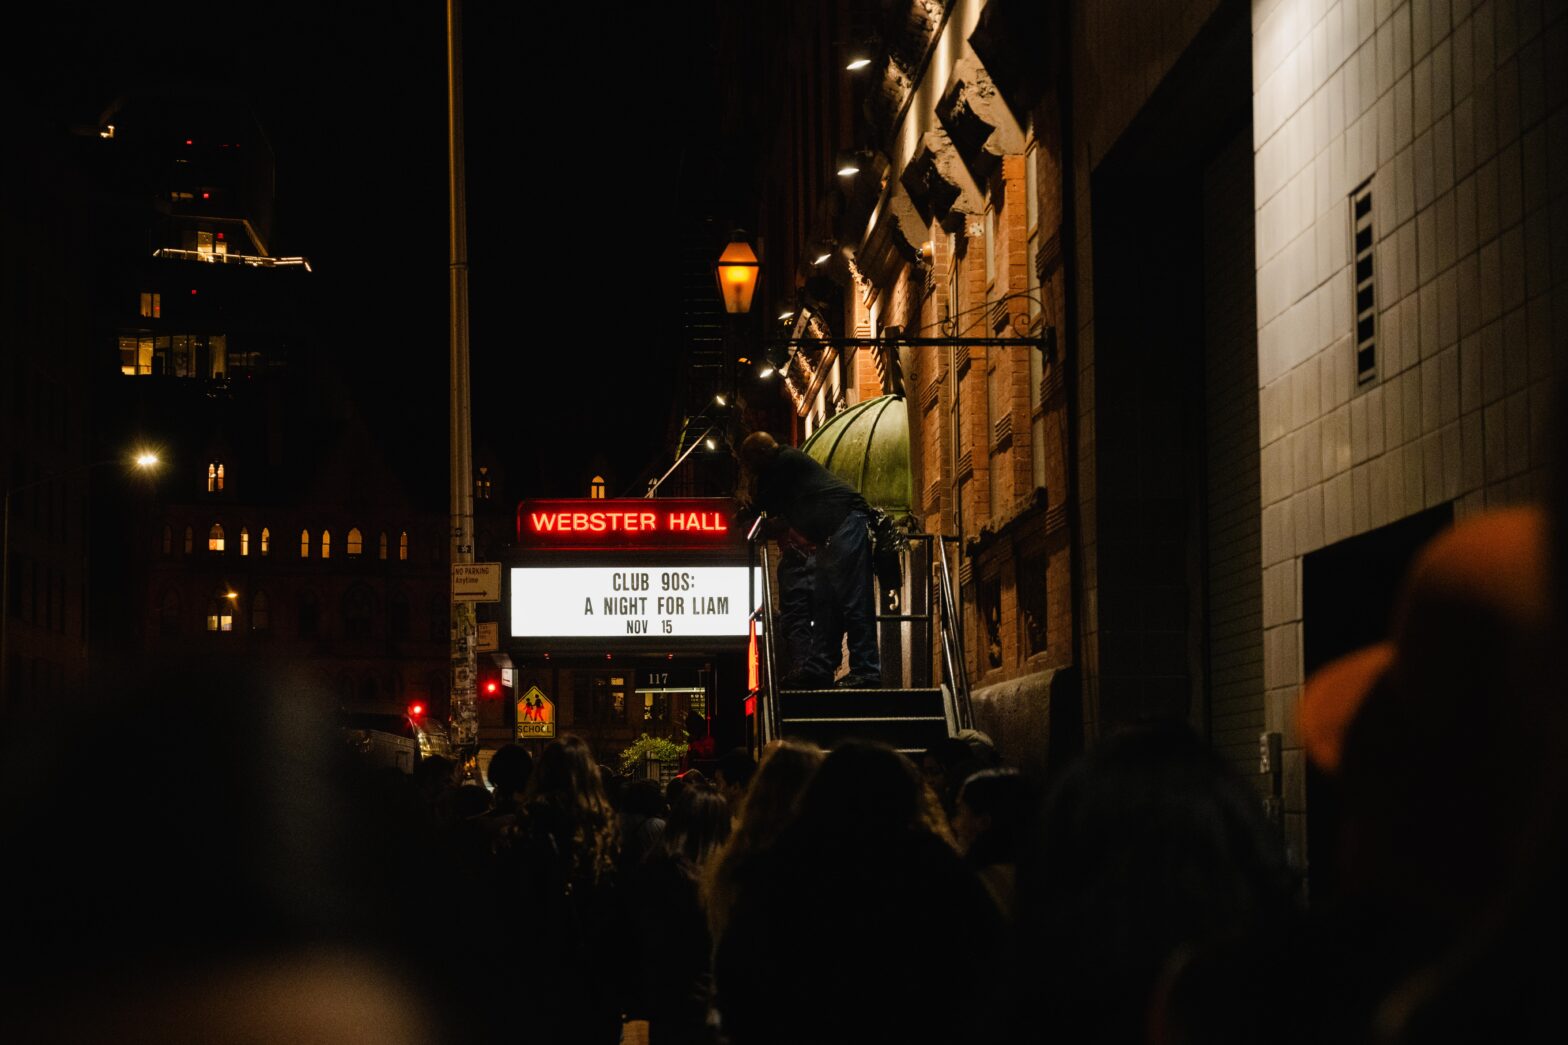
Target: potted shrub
[656, 758]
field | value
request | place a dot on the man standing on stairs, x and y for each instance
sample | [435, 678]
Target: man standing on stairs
[827, 511]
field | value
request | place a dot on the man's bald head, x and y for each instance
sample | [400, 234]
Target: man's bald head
[758, 451]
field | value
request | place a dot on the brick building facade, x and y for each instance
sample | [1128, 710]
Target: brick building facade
[1301, 261]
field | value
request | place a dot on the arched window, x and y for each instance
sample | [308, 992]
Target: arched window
[355, 542]
[596, 488]
[383, 544]
[402, 546]
[220, 476]
[190, 540]
[309, 615]
[169, 614]
[266, 540]
[260, 612]
[215, 538]
[304, 544]
[220, 612]
[326, 544]
[212, 477]
[168, 539]
[244, 541]
[482, 485]
[358, 610]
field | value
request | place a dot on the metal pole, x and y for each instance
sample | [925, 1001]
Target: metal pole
[654, 488]
[465, 719]
[5, 606]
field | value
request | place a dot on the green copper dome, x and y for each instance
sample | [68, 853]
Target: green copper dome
[868, 447]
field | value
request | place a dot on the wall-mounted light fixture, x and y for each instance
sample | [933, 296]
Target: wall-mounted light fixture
[737, 274]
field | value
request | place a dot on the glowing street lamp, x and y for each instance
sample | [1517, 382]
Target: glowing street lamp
[737, 274]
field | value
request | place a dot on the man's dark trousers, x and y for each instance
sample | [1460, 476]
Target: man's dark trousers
[844, 601]
[797, 578]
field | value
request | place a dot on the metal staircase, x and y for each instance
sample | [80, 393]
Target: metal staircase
[910, 720]
[912, 710]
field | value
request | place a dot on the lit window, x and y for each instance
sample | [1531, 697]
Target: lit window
[402, 546]
[220, 476]
[220, 612]
[215, 538]
[266, 540]
[190, 540]
[596, 488]
[326, 544]
[218, 358]
[136, 355]
[355, 541]
[244, 541]
[304, 544]
[260, 612]
[383, 544]
[990, 247]
[152, 305]
[482, 484]
[204, 242]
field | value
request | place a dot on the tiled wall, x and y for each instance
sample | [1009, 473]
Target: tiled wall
[1455, 110]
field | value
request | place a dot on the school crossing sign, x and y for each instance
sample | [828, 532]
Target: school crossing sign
[535, 715]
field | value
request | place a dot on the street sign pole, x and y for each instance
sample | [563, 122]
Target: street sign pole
[464, 702]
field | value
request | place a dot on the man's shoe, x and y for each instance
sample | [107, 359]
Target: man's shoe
[859, 682]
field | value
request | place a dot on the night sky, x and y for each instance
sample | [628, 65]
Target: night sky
[592, 143]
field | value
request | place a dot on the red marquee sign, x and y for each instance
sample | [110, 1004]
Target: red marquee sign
[628, 523]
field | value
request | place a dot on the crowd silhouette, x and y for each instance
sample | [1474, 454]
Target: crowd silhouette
[221, 869]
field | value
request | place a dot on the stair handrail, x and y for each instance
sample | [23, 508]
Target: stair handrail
[952, 641]
[767, 706]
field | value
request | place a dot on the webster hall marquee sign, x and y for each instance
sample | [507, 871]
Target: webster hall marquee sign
[630, 570]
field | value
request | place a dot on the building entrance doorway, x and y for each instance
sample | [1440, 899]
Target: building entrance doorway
[1347, 599]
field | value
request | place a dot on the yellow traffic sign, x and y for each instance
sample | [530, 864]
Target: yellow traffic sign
[535, 716]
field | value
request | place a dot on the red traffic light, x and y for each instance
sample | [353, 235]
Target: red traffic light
[492, 687]
[416, 709]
